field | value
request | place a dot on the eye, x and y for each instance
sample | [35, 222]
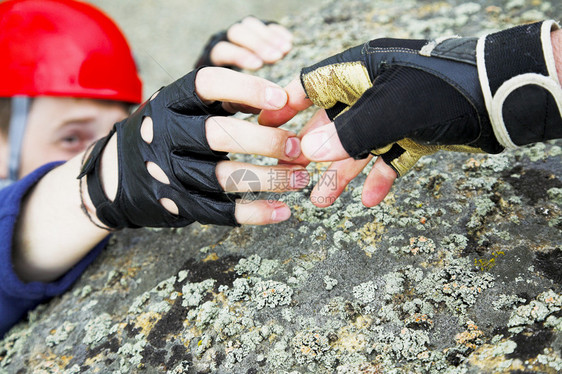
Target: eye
[71, 140]
[74, 141]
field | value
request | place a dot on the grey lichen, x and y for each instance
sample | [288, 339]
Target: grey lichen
[60, 334]
[457, 286]
[271, 294]
[313, 346]
[330, 282]
[240, 290]
[98, 329]
[250, 265]
[536, 310]
[366, 292]
[555, 194]
[130, 354]
[407, 343]
[193, 292]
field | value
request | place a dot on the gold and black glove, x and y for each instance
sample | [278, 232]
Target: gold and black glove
[402, 99]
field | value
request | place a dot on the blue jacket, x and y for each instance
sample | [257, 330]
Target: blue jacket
[17, 297]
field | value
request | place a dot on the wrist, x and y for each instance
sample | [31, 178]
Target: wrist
[103, 154]
[109, 168]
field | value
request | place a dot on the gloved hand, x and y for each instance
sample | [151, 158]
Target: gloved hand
[247, 44]
[179, 146]
[403, 99]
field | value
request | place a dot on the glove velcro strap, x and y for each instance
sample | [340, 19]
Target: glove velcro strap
[517, 73]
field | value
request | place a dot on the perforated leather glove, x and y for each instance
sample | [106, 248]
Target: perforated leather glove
[403, 99]
[180, 148]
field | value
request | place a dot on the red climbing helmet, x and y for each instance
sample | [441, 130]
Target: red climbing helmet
[64, 48]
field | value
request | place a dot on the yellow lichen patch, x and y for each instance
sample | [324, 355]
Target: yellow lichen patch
[371, 233]
[146, 321]
[211, 257]
[350, 339]
[49, 363]
[487, 264]
[350, 342]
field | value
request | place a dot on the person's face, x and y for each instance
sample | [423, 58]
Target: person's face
[60, 128]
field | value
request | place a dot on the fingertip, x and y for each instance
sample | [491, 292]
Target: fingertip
[261, 212]
[378, 183]
[275, 97]
[281, 212]
[322, 200]
[251, 62]
[323, 144]
[292, 147]
[297, 96]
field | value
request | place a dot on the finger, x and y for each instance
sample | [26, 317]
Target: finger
[323, 144]
[223, 84]
[235, 108]
[320, 118]
[281, 31]
[276, 37]
[297, 101]
[244, 36]
[234, 176]
[335, 179]
[234, 135]
[225, 53]
[378, 183]
[261, 212]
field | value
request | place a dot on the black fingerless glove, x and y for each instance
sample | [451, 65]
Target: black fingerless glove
[403, 99]
[180, 148]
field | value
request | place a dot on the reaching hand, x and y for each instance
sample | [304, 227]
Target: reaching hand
[171, 156]
[402, 99]
[248, 44]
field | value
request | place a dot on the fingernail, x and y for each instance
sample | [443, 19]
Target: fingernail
[299, 179]
[284, 45]
[281, 213]
[293, 147]
[272, 54]
[276, 97]
[253, 62]
[316, 144]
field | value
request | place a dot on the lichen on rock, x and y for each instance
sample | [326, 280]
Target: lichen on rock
[456, 271]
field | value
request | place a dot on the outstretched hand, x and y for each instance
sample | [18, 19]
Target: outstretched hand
[172, 164]
[320, 142]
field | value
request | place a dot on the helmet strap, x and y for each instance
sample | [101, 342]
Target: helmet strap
[18, 121]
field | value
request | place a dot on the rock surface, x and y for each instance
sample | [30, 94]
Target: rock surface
[459, 270]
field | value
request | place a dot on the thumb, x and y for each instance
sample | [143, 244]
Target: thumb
[323, 144]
